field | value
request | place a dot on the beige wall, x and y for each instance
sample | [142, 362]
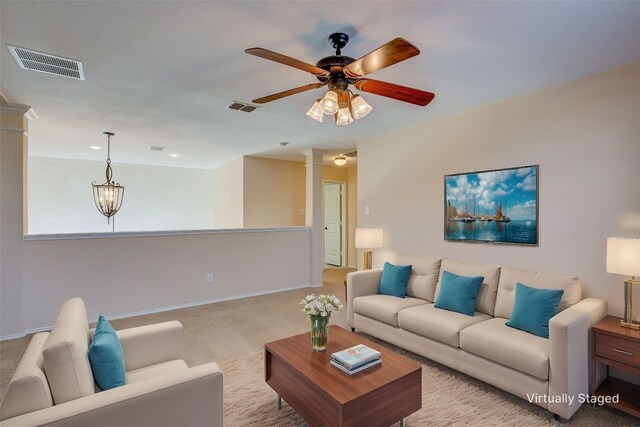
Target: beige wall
[156, 197]
[13, 149]
[334, 173]
[585, 135]
[227, 189]
[274, 193]
[122, 275]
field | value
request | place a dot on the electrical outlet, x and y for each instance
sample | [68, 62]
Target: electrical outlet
[366, 210]
[209, 278]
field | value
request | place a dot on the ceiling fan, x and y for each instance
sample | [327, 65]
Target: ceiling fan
[338, 72]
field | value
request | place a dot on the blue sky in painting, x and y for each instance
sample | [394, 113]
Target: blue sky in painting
[514, 188]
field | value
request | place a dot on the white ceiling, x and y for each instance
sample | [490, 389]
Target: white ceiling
[162, 73]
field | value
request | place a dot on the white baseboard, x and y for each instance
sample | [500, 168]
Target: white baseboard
[169, 308]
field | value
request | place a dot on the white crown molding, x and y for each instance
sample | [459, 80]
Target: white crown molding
[14, 108]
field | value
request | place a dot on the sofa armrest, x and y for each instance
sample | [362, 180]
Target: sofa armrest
[360, 283]
[151, 344]
[190, 398]
[569, 353]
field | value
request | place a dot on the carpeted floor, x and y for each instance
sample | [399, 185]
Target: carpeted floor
[233, 334]
[448, 399]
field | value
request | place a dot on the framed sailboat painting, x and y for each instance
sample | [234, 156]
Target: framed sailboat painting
[492, 206]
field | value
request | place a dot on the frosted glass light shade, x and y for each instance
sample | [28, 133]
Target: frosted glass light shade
[330, 102]
[623, 256]
[340, 160]
[368, 238]
[360, 107]
[316, 111]
[343, 117]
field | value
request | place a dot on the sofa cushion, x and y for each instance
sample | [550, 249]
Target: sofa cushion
[509, 277]
[494, 340]
[437, 324]
[65, 354]
[28, 390]
[459, 293]
[424, 275]
[486, 300]
[383, 308]
[106, 356]
[534, 308]
[152, 371]
[394, 280]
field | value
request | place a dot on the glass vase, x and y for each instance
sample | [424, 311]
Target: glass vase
[319, 332]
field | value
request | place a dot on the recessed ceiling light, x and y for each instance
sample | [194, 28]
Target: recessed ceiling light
[173, 155]
[95, 147]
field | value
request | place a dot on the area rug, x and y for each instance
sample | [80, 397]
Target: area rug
[449, 398]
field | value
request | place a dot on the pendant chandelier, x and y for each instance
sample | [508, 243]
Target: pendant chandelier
[343, 105]
[108, 196]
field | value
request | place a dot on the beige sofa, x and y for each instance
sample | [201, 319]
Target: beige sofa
[483, 346]
[53, 384]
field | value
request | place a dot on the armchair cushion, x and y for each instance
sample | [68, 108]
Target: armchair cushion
[106, 356]
[65, 354]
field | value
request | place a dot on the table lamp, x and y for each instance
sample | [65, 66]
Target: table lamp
[623, 257]
[367, 239]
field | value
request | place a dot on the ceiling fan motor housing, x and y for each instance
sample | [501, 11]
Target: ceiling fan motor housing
[334, 65]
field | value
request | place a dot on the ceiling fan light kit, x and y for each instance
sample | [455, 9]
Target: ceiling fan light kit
[316, 111]
[338, 72]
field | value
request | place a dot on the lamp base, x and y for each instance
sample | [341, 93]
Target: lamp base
[627, 321]
[630, 325]
[367, 260]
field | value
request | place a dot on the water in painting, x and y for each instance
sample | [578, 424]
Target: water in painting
[493, 206]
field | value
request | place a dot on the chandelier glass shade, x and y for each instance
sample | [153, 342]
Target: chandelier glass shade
[342, 104]
[108, 197]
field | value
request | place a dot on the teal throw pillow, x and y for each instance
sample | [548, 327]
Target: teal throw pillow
[458, 293]
[106, 356]
[394, 280]
[533, 308]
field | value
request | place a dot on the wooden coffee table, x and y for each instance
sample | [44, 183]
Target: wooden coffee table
[325, 396]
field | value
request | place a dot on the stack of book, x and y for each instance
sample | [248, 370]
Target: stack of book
[355, 359]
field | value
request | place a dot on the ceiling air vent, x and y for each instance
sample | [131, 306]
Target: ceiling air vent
[156, 148]
[240, 106]
[45, 63]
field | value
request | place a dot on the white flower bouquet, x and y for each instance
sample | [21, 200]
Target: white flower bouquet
[319, 309]
[322, 305]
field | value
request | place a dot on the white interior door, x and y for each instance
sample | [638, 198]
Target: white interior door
[332, 224]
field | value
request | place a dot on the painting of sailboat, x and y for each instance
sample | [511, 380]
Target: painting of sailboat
[493, 206]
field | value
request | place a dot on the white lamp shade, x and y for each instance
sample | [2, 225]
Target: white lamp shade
[368, 238]
[343, 116]
[330, 102]
[623, 256]
[360, 107]
[316, 111]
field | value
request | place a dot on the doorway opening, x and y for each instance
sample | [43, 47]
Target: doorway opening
[334, 223]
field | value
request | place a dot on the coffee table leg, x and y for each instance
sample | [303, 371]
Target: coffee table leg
[402, 422]
[280, 404]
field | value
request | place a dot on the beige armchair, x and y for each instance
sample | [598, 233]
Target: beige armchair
[53, 384]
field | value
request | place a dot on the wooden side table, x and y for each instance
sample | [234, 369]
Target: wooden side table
[613, 345]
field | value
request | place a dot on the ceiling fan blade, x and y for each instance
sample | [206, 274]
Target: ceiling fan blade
[390, 90]
[395, 51]
[286, 93]
[286, 60]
